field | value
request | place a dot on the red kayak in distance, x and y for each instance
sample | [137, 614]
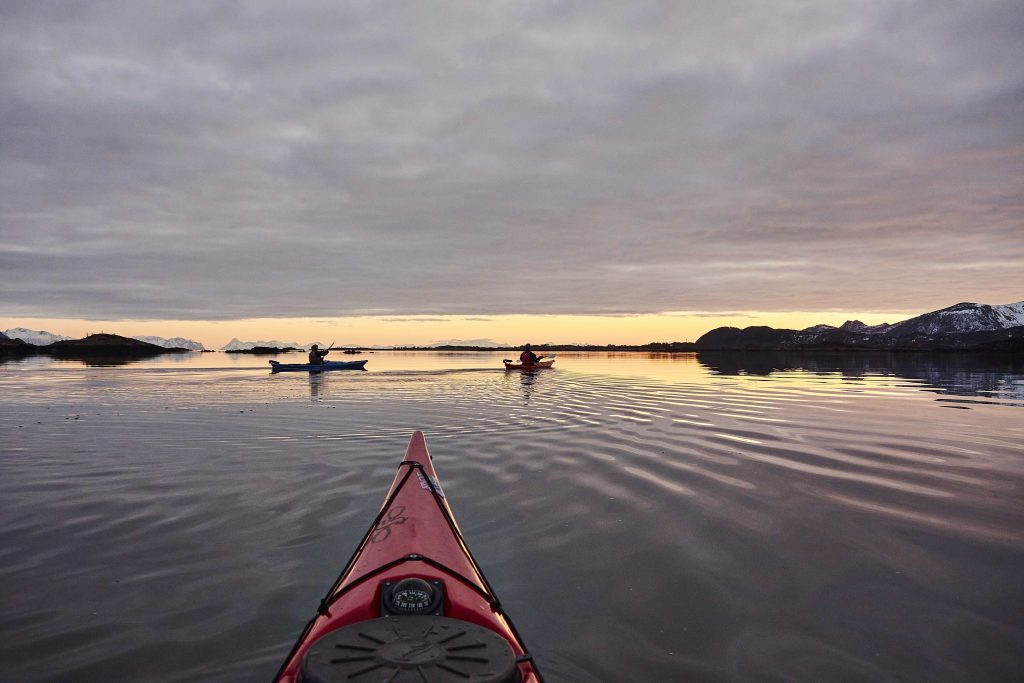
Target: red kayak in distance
[412, 605]
[512, 365]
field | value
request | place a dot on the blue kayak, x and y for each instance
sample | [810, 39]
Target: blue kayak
[320, 367]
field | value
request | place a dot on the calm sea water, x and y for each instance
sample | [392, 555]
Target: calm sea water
[643, 518]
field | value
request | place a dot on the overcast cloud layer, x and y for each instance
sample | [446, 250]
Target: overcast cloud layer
[222, 160]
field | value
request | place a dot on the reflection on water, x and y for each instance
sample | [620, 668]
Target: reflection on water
[946, 373]
[643, 517]
[527, 379]
[994, 378]
[316, 385]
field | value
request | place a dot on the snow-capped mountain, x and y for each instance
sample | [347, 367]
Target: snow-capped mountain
[37, 337]
[236, 345]
[172, 343]
[960, 318]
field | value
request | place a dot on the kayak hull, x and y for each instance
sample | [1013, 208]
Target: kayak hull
[310, 367]
[509, 365]
[413, 536]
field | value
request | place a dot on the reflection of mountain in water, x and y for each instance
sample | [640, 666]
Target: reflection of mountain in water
[112, 360]
[949, 373]
[90, 360]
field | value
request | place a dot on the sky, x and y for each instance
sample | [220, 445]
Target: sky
[567, 171]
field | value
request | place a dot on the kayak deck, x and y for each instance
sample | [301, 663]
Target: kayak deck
[511, 365]
[318, 367]
[414, 538]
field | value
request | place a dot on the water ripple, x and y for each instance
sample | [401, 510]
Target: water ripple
[642, 519]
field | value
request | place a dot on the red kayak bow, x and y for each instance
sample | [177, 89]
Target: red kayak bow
[412, 605]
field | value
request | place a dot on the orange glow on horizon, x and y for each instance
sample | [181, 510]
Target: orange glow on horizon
[514, 330]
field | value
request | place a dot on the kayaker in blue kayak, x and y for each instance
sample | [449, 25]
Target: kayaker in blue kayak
[316, 357]
[528, 357]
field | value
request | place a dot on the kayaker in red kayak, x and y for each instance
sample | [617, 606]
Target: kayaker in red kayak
[316, 357]
[528, 358]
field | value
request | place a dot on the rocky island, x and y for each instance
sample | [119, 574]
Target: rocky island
[95, 345]
[267, 350]
[106, 345]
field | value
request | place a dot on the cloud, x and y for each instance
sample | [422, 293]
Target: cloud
[698, 314]
[241, 160]
[413, 319]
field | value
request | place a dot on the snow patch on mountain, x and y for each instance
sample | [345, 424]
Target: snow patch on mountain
[172, 343]
[236, 345]
[37, 337]
[1010, 314]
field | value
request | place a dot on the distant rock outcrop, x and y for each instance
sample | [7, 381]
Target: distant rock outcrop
[105, 345]
[756, 337]
[267, 350]
[719, 338]
[965, 327]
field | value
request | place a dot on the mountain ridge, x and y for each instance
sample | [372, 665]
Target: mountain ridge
[962, 326]
[36, 337]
